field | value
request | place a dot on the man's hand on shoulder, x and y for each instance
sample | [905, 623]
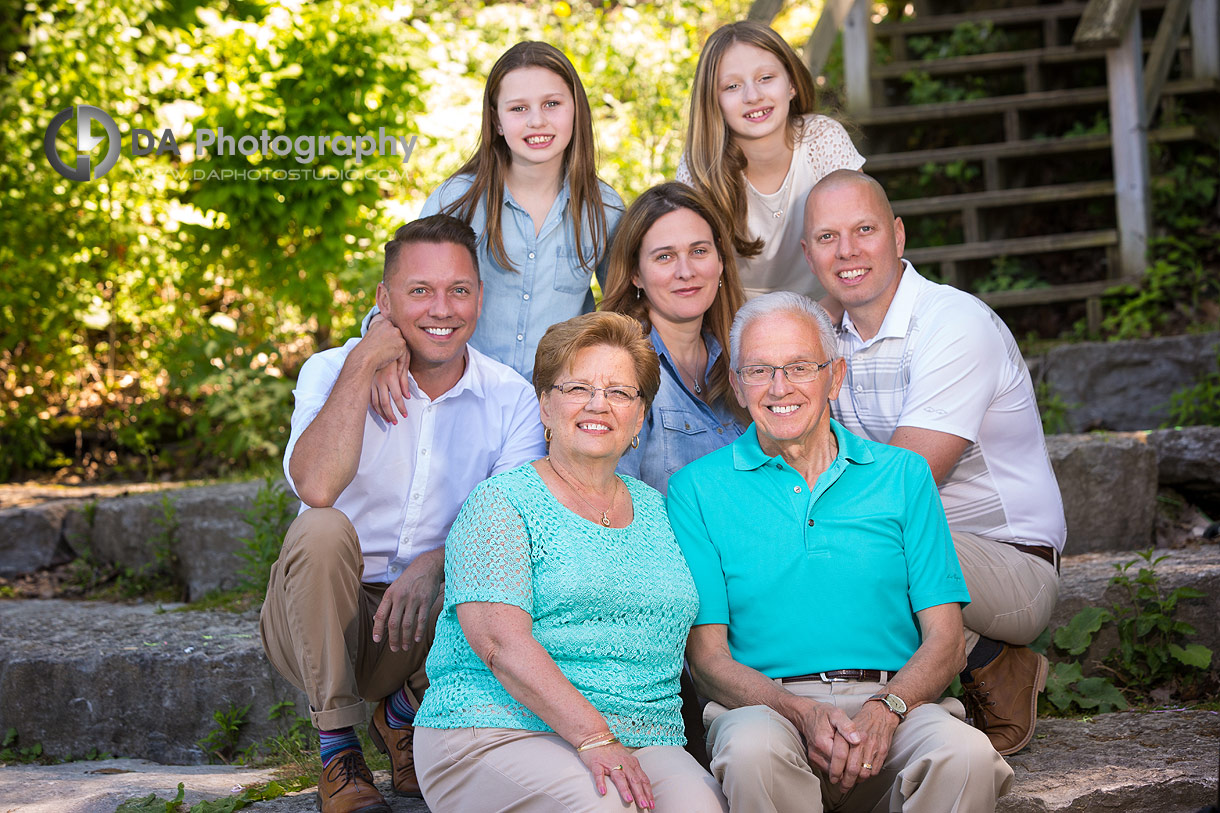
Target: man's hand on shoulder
[403, 612]
[383, 344]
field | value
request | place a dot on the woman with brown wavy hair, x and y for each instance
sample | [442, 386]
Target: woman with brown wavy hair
[672, 269]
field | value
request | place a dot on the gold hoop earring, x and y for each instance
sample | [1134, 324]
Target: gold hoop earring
[635, 442]
[547, 434]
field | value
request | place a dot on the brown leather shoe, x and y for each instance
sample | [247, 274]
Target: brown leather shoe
[396, 743]
[1002, 697]
[346, 786]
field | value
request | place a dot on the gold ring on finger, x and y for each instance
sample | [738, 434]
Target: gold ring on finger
[617, 768]
[867, 766]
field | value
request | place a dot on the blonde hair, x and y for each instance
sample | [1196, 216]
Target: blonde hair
[562, 341]
[492, 158]
[716, 163]
[624, 262]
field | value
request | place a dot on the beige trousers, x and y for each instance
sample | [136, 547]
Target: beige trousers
[936, 763]
[1012, 594]
[471, 770]
[317, 624]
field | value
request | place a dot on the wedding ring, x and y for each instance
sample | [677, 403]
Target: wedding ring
[868, 766]
[617, 768]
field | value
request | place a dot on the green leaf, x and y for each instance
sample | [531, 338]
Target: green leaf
[1099, 693]
[1078, 634]
[1196, 655]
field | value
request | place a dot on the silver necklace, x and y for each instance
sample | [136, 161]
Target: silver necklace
[605, 520]
[775, 213]
[695, 377]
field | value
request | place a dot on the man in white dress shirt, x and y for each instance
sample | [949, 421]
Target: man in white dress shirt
[353, 597]
[934, 370]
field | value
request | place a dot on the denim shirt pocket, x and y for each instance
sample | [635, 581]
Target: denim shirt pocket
[570, 276]
[686, 437]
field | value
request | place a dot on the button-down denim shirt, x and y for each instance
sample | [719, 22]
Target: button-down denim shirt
[680, 427]
[547, 284]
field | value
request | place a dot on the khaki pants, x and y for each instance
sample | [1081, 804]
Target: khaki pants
[1012, 594]
[936, 763]
[317, 624]
[500, 769]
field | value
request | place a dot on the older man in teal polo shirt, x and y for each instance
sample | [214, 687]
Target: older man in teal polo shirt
[830, 619]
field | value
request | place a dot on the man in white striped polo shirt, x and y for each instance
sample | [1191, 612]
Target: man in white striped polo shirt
[934, 370]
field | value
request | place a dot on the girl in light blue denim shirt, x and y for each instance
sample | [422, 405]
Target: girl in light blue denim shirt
[531, 194]
[669, 269]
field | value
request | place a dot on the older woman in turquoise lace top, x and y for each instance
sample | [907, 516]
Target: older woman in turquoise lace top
[554, 673]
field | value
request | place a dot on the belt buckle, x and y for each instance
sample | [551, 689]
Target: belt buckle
[840, 677]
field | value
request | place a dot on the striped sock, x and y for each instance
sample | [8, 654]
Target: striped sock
[398, 711]
[338, 740]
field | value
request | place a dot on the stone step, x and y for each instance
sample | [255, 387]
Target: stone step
[135, 681]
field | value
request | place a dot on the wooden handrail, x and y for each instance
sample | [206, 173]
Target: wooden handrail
[1164, 49]
[822, 40]
[1104, 23]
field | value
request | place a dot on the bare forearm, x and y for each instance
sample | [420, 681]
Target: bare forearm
[942, 655]
[532, 677]
[327, 454]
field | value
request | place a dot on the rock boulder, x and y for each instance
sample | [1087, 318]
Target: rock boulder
[1108, 482]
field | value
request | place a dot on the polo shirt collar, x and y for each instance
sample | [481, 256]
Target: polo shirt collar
[898, 318]
[748, 454]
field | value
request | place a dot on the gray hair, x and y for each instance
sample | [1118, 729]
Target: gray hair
[783, 302]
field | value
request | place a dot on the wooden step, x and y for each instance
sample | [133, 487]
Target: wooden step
[1003, 197]
[1014, 149]
[1001, 16]
[1000, 60]
[1047, 99]
[1072, 292]
[1013, 246]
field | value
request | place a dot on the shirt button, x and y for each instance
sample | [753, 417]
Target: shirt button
[424, 452]
[531, 255]
[797, 489]
[859, 388]
[719, 430]
[779, 465]
[810, 523]
[520, 337]
[526, 297]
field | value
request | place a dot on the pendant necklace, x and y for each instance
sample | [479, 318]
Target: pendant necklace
[605, 520]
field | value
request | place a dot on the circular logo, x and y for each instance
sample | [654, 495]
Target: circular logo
[85, 142]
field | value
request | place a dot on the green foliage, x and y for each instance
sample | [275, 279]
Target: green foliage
[159, 578]
[923, 89]
[273, 511]
[221, 742]
[1053, 410]
[966, 39]
[1152, 651]
[154, 804]
[11, 753]
[259, 793]
[153, 320]
[1198, 404]
[1007, 274]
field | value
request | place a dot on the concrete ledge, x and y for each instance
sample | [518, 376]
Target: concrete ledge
[138, 682]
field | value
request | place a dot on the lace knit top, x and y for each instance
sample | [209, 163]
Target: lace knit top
[612, 607]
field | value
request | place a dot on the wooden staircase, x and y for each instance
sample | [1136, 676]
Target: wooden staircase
[1038, 180]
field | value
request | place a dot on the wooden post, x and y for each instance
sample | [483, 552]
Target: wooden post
[1205, 38]
[856, 57]
[1129, 145]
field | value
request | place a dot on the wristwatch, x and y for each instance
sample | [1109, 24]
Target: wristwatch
[892, 702]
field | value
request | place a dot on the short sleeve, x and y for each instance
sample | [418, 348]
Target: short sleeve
[701, 555]
[828, 147]
[684, 175]
[955, 373]
[934, 575]
[487, 554]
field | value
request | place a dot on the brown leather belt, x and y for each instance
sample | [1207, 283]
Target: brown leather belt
[842, 676]
[1041, 551]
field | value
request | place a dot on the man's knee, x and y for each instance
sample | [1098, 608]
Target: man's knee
[750, 741]
[320, 532]
[963, 758]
